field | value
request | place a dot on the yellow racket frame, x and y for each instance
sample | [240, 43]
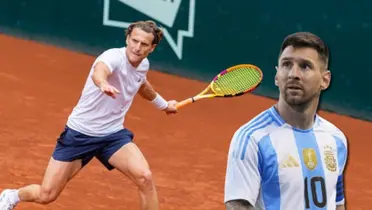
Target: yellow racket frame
[203, 95]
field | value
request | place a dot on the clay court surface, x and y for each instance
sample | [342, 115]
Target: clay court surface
[39, 85]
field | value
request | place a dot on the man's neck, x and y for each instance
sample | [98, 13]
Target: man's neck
[134, 65]
[301, 116]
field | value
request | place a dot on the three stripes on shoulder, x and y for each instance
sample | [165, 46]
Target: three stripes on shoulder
[289, 162]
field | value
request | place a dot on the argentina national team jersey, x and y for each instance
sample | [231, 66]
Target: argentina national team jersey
[277, 167]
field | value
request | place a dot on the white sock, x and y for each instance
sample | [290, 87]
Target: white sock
[13, 196]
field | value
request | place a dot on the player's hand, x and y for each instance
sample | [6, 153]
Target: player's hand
[171, 109]
[109, 90]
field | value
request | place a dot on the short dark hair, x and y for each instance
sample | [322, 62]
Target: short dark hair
[307, 39]
[148, 26]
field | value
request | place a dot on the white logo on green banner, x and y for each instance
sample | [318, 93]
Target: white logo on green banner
[163, 11]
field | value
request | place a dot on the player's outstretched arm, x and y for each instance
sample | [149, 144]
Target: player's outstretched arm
[238, 205]
[99, 77]
[147, 92]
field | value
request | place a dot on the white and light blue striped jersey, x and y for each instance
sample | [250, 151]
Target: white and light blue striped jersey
[277, 167]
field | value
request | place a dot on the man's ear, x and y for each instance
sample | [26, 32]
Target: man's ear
[276, 77]
[153, 48]
[326, 80]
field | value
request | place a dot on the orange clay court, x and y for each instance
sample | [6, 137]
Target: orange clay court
[187, 152]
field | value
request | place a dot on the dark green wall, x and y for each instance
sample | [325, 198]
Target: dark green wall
[226, 33]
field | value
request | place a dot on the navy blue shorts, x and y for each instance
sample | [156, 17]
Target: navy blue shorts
[73, 145]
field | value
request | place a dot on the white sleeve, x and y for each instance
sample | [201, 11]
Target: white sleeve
[243, 179]
[112, 58]
[342, 158]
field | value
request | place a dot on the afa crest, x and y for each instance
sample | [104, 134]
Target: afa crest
[310, 159]
[329, 159]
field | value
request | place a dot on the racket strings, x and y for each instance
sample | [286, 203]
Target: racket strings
[237, 81]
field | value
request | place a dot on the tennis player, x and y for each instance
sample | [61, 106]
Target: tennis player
[288, 157]
[95, 126]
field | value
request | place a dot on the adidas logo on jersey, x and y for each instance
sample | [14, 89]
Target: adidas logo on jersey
[290, 162]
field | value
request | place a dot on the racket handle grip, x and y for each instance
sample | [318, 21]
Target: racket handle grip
[185, 102]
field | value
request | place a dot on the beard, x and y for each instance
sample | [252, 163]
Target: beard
[299, 98]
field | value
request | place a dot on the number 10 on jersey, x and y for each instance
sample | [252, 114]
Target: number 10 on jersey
[315, 192]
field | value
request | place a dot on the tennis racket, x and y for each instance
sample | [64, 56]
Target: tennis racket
[234, 81]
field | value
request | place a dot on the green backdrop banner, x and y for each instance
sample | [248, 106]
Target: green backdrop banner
[204, 37]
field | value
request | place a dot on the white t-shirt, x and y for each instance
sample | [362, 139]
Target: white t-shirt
[98, 114]
[275, 166]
